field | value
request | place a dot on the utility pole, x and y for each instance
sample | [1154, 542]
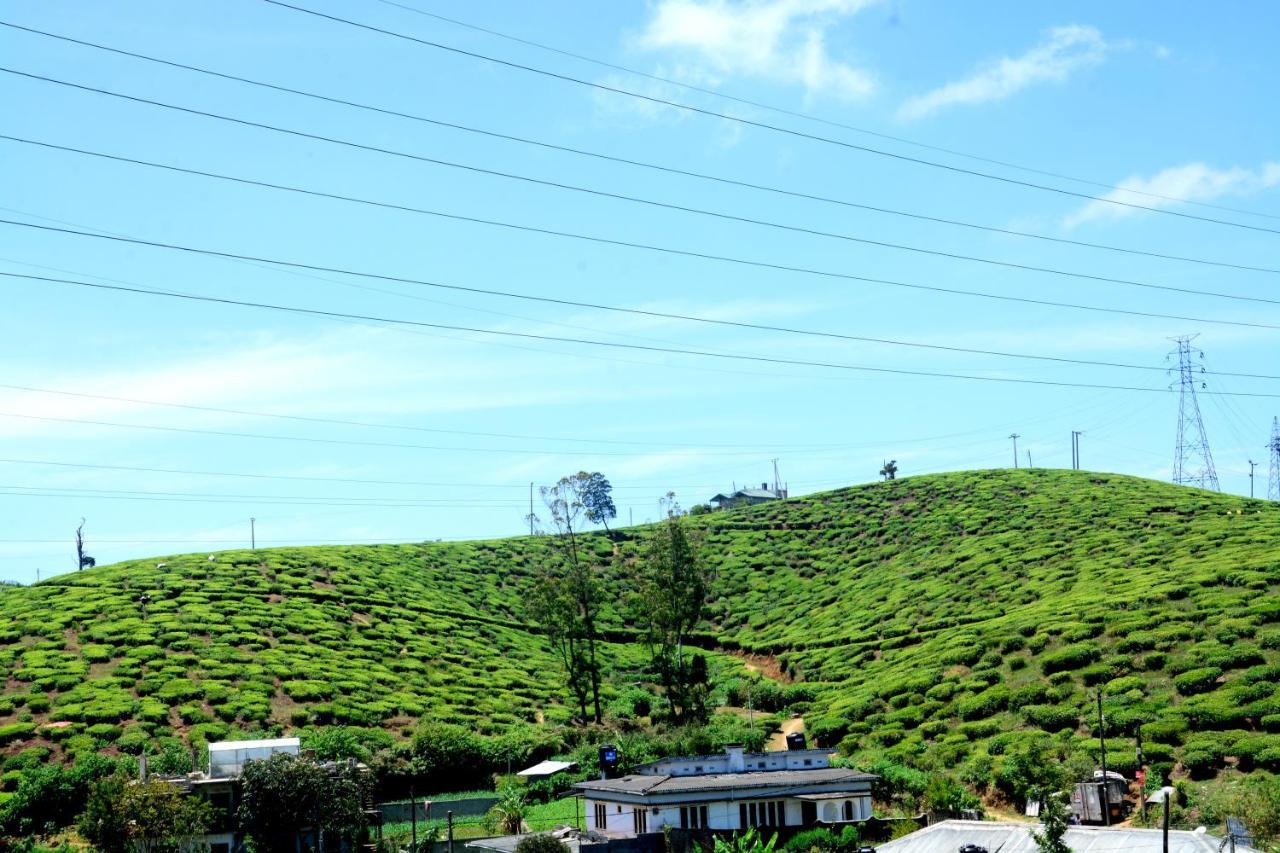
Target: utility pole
[1102, 744]
[1029, 465]
[777, 481]
[1015, 438]
[1273, 449]
[1141, 761]
[1192, 461]
[631, 516]
[253, 534]
[1252, 465]
[531, 509]
[1075, 449]
[413, 819]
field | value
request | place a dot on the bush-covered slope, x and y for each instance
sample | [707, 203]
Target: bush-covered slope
[932, 615]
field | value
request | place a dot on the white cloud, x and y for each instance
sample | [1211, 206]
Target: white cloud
[783, 41]
[1063, 51]
[1189, 182]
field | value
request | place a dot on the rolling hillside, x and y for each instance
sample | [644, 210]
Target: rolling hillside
[933, 618]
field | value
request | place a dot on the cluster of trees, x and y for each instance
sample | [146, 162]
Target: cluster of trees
[116, 813]
[670, 588]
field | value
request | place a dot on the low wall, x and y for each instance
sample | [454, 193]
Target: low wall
[402, 812]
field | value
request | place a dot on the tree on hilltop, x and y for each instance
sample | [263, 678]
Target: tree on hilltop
[597, 498]
[889, 470]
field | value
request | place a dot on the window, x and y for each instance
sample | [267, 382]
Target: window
[222, 847]
[848, 809]
[640, 821]
[771, 808]
[742, 816]
[602, 817]
[808, 762]
[693, 817]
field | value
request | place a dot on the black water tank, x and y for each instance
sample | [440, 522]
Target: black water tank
[795, 740]
[608, 760]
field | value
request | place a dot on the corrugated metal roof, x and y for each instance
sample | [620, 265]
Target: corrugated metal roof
[546, 768]
[654, 784]
[949, 835]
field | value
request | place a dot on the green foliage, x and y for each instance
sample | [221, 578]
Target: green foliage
[507, 815]
[284, 795]
[884, 602]
[823, 840]
[1053, 819]
[1197, 680]
[750, 841]
[945, 796]
[150, 817]
[541, 843]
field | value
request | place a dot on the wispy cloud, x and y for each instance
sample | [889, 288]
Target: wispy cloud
[1063, 51]
[1189, 182]
[783, 41]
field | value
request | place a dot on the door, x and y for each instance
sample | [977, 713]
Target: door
[808, 813]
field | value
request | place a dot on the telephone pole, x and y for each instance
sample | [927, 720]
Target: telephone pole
[1075, 449]
[1273, 448]
[1252, 465]
[253, 534]
[1015, 438]
[1192, 461]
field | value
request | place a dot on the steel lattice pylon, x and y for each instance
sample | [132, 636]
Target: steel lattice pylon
[1273, 446]
[1192, 461]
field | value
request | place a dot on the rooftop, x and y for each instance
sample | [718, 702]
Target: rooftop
[949, 835]
[652, 783]
[272, 743]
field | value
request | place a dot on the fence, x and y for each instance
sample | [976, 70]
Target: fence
[429, 811]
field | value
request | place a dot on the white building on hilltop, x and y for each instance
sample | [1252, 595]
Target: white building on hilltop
[734, 790]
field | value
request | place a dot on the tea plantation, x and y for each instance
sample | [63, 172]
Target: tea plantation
[933, 621]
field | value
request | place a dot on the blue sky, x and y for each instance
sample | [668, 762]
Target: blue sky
[453, 426]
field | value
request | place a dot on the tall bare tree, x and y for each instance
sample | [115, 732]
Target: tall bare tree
[567, 602]
[83, 560]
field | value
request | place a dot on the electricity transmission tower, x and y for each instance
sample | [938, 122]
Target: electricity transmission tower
[1273, 446]
[1192, 461]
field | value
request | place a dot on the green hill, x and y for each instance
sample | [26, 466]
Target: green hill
[929, 620]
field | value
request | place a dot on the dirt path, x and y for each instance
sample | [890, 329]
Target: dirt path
[778, 741]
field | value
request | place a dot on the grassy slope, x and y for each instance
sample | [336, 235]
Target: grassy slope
[926, 612]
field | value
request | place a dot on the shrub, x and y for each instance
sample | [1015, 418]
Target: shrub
[1069, 657]
[1197, 680]
[1052, 718]
[988, 702]
[541, 843]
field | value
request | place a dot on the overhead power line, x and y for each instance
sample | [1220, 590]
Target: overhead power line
[1008, 232]
[583, 341]
[814, 118]
[666, 315]
[410, 427]
[662, 249]
[764, 125]
[559, 185]
[255, 500]
[346, 480]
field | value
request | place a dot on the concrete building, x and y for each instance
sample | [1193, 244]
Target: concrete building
[748, 497]
[734, 790]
